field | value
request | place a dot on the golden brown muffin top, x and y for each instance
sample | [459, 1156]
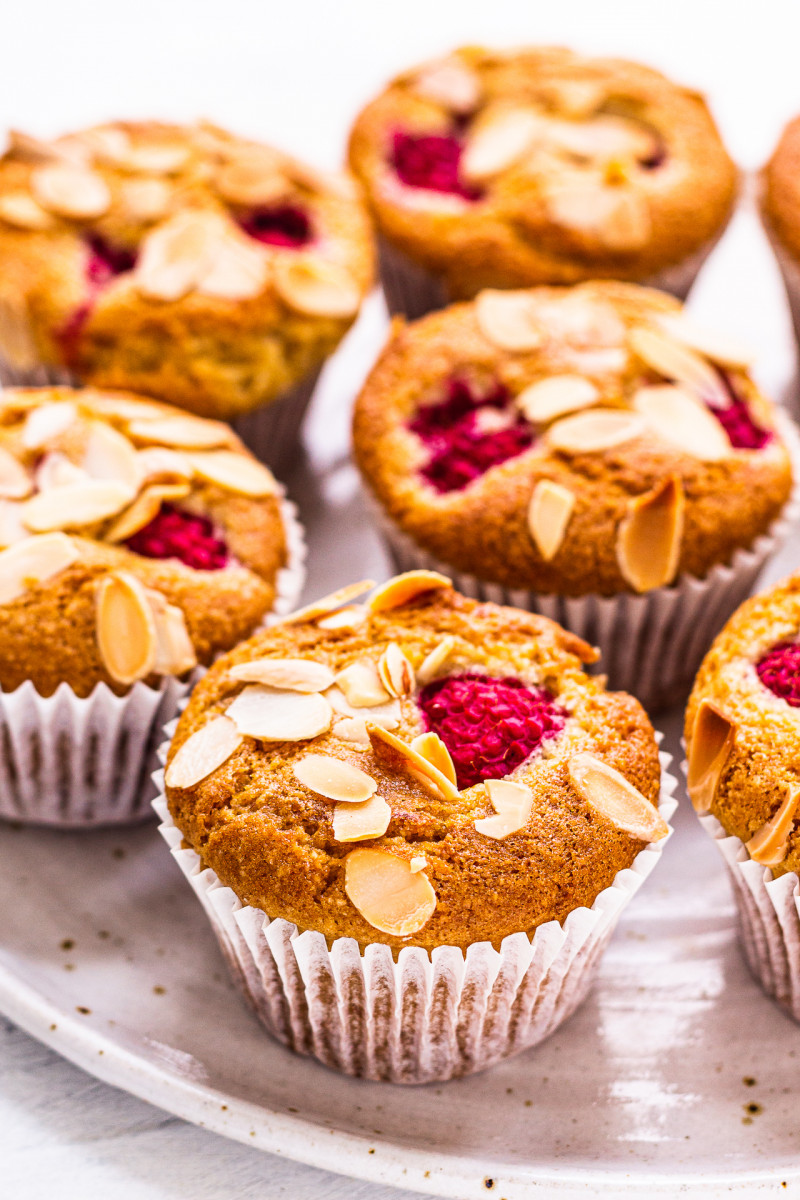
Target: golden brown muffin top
[553, 168]
[780, 190]
[174, 233]
[743, 728]
[135, 540]
[422, 769]
[571, 441]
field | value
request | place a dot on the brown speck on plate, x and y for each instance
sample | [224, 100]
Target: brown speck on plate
[82, 1009]
[118, 852]
[68, 944]
[158, 990]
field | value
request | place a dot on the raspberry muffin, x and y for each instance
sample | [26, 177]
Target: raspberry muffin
[136, 543]
[780, 212]
[182, 262]
[743, 743]
[426, 781]
[505, 170]
[588, 453]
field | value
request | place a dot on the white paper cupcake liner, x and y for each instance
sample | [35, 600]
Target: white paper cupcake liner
[651, 644]
[74, 762]
[422, 1017]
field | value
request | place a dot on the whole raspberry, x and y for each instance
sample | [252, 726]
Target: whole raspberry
[173, 533]
[779, 670]
[283, 225]
[742, 431]
[431, 161]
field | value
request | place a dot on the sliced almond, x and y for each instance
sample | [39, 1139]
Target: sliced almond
[15, 482]
[317, 288]
[555, 396]
[605, 137]
[396, 755]
[649, 537]
[45, 424]
[288, 674]
[157, 462]
[334, 778]
[352, 729]
[595, 431]
[76, 505]
[21, 210]
[106, 143]
[12, 530]
[175, 256]
[352, 616]
[238, 473]
[253, 177]
[512, 803]
[238, 270]
[145, 200]
[126, 629]
[508, 320]
[577, 98]
[387, 715]
[175, 653]
[17, 339]
[109, 455]
[713, 737]
[359, 822]
[27, 148]
[431, 746]
[203, 753]
[157, 158]
[402, 589]
[388, 895]
[362, 684]
[498, 142]
[770, 844]
[56, 470]
[451, 84]
[434, 663]
[609, 793]
[121, 408]
[329, 604]
[395, 671]
[71, 191]
[668, 357]
[723, 350]
[144, 509]
[549, 514]
[679, 417]
[619, 216]
[183, 431]
[26, 564]
[273, 715]
[418, 863]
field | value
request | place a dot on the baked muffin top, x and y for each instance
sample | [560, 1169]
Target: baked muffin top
[422, 769]
[780, 190]
[135, 540]
[571, 441]
[743, 728]
[182, 262]
[541, 166]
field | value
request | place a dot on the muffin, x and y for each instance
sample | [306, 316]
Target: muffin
[780, 212]
[182, 262]
[136, 544]
[507, 170]
[588, 453]
[743, 743]
[414, 823]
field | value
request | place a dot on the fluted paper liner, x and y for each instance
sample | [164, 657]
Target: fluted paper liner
[790, 271]
[422, 1017]
[652, 643]
[69, 761]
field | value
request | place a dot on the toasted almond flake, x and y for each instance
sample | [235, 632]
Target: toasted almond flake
[509, 320]
[449, 83]
[431, 746]
[186, 432]
[396, 755]
[578, 98]
[649, 537]
[498, 142]
[252, 177]
[166, 158]
[12, 530]
[617, 216]
[175, 653]
[362, 684]
[121, 408]
[34, 561]
[157, 462]
[176, 255]
[109, 455]
[679, 417]
[126, 629]
[71, 191]
[395, 671]
[56, 470]
[203, 753]
[605, 137]
[418, 863]
[549, 514]
[388, 895]
[555, 396]
[387, 715]
[274, 715]
[770, 844]
[595, 431]
[106, 143]
[609, 793]
[238, 270]
[402, 589]
[512, 803]
[334, 779]
[713, 737]
[17, 340]
[329, 604]
[677, 362]
[360, 822]
[317, 288]
[721, 349]
[145, 507]
[352, 616]
[233, 472]
[15, 482]
[351, 729]
[434, 663]
[76, 505]
[21, 210]
[145, 200]
[288, 674]
[44, 424]
[28, 148]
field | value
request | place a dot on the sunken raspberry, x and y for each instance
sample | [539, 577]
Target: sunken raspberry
[779, 670]
[174, 533]
[742, 431]
[283, 225]
[107, 260]
[467, 434]
[490, 726]
[431, 161]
